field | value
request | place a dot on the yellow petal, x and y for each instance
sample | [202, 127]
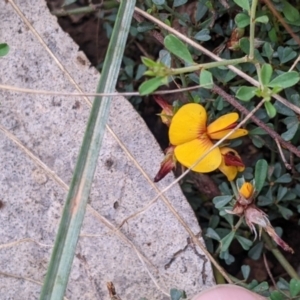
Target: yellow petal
[219, 135]
[187, 154]
[187, 124]
[229, 171]
[246, 190]
[222, 123]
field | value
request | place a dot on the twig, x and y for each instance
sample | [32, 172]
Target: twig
[268, 270]
[44, 92]
[230, 99]
[287, 165]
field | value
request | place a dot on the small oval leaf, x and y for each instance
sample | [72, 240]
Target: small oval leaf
[285, 80]
[261, 171]
[178, 48]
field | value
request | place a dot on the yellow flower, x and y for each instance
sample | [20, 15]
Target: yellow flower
[192, 137]
[247, 190]
[231, 163]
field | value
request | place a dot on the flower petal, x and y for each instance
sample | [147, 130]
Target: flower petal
[229, 171]
[231, 163]
[247, 190]
[187, 123]
[219, 135]
[187, 154]
[222, 123]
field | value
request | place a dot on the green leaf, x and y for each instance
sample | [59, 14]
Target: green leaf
[221, 201]
[202, 35]
[264, 286]
[261, 171]
[266, 73]
[271, 110]
[285, 212]
[285, 80]
[178, 48]
[242, 20]
[268, 50]
[257, 131]
[145, 26]
[149, 86]
[212, 234]
[148, 62]
[276, 295]
[273, 35]
[246, 93]
[56, 279]
[165, 57]
[245, 243]
[281, 192]
[283, 109]
[285, 54]
[244, 4]
[257, 141]
[290, 12]
[262, 19]
[264, 201]
[4, 49]
[158, 2]
[245, 271]
[177, 294]
[285, 178]
[294, 287]
[140, 71]
[282, 284]
[177, 3]
[290, 133]
[201, 11]
[256, 250]
[213, 221]
[206, 79]
[226, 241]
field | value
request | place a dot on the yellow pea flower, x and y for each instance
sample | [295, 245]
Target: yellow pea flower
[231, 163]
[192, 137]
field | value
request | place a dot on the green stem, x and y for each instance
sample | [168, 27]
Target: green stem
[183, 81]
[234, 189]
[252, 29]
[258, 70]
[208, 65]
[282, 260]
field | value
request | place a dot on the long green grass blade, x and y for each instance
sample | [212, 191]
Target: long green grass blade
[56, 279]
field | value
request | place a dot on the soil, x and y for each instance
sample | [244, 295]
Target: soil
[88, 32]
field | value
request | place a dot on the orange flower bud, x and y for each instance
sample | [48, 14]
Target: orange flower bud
[247, 190]
[167, 110]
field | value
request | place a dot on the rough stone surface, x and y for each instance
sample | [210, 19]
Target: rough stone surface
[51, 128]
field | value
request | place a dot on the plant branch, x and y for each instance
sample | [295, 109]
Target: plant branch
[252, 29]
[209, 65]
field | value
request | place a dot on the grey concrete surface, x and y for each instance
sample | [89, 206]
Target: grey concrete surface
[51, 130]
